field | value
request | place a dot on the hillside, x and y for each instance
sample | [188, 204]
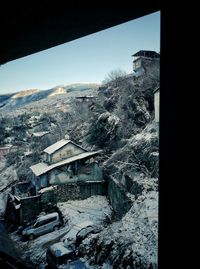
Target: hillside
[123, 125]
[22, 99]
[120, 122]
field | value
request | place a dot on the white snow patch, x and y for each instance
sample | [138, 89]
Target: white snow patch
[140, 227]
[47, 189]
[40, 134]
[94, 208]
[142, 135]
[113, 119]
[58, 91]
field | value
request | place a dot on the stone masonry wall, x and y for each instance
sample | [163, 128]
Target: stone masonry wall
[118, 198]
[80, 190]
[30, 208]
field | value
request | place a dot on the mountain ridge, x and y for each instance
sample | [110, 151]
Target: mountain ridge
[12, 101]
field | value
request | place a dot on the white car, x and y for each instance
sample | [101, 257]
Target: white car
[45, 224]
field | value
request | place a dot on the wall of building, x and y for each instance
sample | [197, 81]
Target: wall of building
[57, 177]
[46, 157]
[66, 152]
[137, 64]
[44, 181]
[88, 172]
[119, 200]
[157, 105]
[40, 182]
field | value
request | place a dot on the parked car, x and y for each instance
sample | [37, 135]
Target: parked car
[84, 232]
[45, 224]
[69, 240]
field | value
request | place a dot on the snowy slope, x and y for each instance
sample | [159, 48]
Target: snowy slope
[132, 241]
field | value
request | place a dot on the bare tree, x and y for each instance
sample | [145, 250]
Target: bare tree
[114, 77]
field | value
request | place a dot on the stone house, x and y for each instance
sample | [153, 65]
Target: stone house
[65, 162]
[142, 58]
[84, 103]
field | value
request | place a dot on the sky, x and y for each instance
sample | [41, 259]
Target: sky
[87, 59]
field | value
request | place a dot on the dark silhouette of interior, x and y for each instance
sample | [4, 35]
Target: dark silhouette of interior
[32, 27]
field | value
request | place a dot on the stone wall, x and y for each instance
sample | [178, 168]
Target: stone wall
[80, 190]
[48, 197]
[30, 208]
[119, 200]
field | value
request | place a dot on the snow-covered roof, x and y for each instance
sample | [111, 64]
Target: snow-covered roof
[39, 168]
[42, 168]
[46, 189]
[51, 149]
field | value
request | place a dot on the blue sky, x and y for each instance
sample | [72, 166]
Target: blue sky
[87, 59]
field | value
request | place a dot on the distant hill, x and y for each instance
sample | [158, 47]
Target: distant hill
[13, 101]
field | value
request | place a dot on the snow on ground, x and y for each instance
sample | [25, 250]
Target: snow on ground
[149, 132]
[95, 208]
[136, 233]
